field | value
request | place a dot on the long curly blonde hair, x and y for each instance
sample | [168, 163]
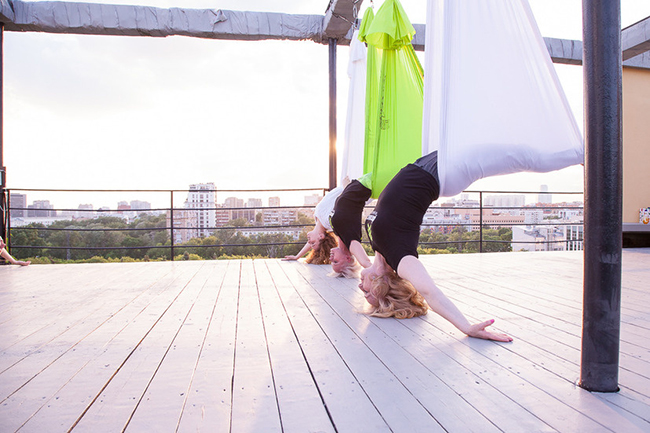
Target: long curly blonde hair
[396, 297]
[321, 256]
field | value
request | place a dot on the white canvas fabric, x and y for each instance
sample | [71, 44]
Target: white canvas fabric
[353, 144]
[493, 103]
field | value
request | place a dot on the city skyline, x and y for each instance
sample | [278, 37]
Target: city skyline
[530, 197]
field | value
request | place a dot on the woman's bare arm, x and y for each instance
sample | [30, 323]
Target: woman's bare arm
[356, 249]
[411, 269]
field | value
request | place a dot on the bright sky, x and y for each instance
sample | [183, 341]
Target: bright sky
[105, 112]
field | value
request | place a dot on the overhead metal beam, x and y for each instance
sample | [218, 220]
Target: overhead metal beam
[337, 23]
[127, 20]
[6, 12]
[340, 16]
[635, 39]
[564, 51]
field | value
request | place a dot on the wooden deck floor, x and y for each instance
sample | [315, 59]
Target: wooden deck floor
[270, 346]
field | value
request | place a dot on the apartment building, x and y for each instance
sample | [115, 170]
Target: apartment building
[201, 200]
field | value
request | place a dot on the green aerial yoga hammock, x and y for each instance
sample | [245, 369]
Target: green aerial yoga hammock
[394, 94]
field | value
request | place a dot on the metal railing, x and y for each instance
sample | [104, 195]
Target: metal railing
[173, 212]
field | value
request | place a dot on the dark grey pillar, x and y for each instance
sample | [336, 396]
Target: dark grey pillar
[602, 67]
[3, 172]
[332, 71]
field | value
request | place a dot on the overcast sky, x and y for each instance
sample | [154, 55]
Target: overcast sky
[106, 112]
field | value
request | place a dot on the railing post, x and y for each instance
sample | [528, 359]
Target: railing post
[480, 204]
[602, 70]
[7, 221]
[171, 223]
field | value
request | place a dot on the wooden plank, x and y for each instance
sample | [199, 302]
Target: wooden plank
[387, 373]
[463, 399]
[42, 374]
[66, 405]
[161, 406]
[550, 383]
[545, 354]
[39, 393]
[301, 406]
[254, 403]
[110, 343]
[338, 387]
[209, 399]
[146, 340]
[77, 318]
[631, 354]
[42, 307]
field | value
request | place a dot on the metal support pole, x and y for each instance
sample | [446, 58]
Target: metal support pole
[332, 73]
[171, 223]
[4, 211]
[480, 243]
[602, 69]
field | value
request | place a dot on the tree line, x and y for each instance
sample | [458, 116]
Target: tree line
[146, 238]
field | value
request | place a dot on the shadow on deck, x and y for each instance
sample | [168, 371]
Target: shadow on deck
[264, 346]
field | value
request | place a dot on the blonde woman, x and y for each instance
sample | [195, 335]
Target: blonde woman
[320, 240]
[339, 213]
[397, 284]
[348, 259]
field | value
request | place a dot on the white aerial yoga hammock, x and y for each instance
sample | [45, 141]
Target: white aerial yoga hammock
[492, 101]
[352, 157]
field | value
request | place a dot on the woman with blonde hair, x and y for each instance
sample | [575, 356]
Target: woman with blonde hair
[350, 256]
[320, 240]
[338, 222]
[394, 229]
[392, 296]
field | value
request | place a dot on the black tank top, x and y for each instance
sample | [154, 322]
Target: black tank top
[395, 230]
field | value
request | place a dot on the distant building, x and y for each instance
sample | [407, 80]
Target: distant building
[222, 216]
[274, 201]
[85, 211]
[548, 238]
[185, 225]
[46, 221]
[140, 205]
[279, 216]
[254, 203]
[40, 209]
[123, 206]
[313, 200]
[533, 216]
[18, 203]
[235, 210]
[506, 201]
[574, 236]
[544, 196]
[201, 198]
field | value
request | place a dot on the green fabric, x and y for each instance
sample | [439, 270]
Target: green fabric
[394, 94]
[366, 180]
